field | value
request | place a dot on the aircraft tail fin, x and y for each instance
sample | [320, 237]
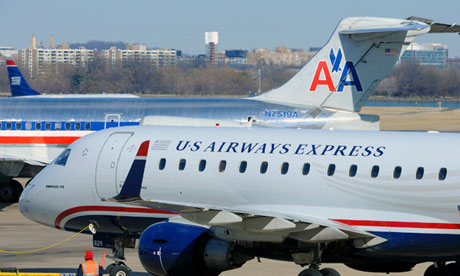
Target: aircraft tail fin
[358, 55]
[18, 84]
[131, 189]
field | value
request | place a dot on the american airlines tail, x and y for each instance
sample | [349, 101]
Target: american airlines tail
[18, 84]
[359, 54]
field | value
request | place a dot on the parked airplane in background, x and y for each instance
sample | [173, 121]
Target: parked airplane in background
[217, 197]
[18, 84]
[324, 94]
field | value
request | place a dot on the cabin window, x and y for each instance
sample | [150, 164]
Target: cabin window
[419, 173]
[9, 125]
[243, 166]
[222, 165]
[353, 170]
[18, 126]
[28, 126]
[87, 126]
[285, 168]
[331, 169]
[77, 126]
[305, 168]
[202, 165]
[68, 125]
[38, 125]
[442, 174]
[375, 171]
[57, 126]
[162, 164]
[181, 164]
[48, 126]
[1, 125]
[263, 167]
[397, 172]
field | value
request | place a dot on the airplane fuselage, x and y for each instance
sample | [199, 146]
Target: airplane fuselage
[403, 187]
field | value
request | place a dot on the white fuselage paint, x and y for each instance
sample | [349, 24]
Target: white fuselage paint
[381, 204]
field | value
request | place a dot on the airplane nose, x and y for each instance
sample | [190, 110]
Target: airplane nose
[26, 200]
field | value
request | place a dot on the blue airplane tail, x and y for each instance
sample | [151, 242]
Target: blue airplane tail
[132, 187]
[18, 84]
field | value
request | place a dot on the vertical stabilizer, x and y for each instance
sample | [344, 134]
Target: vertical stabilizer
[19, 85]
[132, 187]
[359, 54]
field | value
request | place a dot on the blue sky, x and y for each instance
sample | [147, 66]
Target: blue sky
[242, 24]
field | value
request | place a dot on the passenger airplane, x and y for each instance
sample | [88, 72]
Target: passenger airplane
[325, 93]
[217, 197]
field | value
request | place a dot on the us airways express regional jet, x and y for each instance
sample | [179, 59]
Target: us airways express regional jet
[204, 199]
[326, 93]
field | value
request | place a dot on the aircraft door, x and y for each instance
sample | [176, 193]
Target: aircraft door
[112, 120]
[106, 168]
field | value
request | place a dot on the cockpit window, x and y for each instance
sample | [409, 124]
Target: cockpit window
[62, 158]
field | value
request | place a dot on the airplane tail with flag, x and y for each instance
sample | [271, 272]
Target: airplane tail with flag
[358, 55]
[18, 84]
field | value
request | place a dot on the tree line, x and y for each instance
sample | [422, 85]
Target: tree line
[138, 77]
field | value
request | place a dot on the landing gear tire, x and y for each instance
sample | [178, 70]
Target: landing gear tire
[310, 272]
[454, 269]
[329, 272]
[441, 270]
[10, 192]
[118, 270]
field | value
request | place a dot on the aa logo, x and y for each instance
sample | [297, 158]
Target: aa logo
[348, 75]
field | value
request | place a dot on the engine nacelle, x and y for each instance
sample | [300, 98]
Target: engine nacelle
[176, 249]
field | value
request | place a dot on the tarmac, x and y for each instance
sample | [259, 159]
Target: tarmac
[18, 233]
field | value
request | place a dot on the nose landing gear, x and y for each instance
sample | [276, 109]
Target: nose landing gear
[118, 245]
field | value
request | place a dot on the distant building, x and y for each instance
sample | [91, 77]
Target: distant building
[157, 57]
[36, 58]
[433, 54]
[211, 39]
[453, 62]
[236, 57]
[281, 56]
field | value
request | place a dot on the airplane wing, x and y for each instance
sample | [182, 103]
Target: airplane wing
[12, 166]
[436, 27]
[262, 223]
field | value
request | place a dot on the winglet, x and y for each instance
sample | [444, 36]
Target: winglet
[18, 84]
[131, 189]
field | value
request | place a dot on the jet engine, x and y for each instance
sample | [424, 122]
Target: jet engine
[177, 249]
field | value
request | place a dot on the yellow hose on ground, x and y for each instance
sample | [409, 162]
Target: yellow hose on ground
[46, 247]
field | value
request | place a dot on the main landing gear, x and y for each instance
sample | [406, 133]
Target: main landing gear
[314, 271]
[441, 269]
[119, 267]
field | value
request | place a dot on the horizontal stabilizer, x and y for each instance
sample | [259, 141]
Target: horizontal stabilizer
[403, 27]
[436, 27]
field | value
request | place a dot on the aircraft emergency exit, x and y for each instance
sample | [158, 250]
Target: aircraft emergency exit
[324, 94]
[204, 199]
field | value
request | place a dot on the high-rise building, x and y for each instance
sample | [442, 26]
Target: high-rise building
[157, 57]
[433, 54]
[36, 58]
[211, 39]
[281, 56]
